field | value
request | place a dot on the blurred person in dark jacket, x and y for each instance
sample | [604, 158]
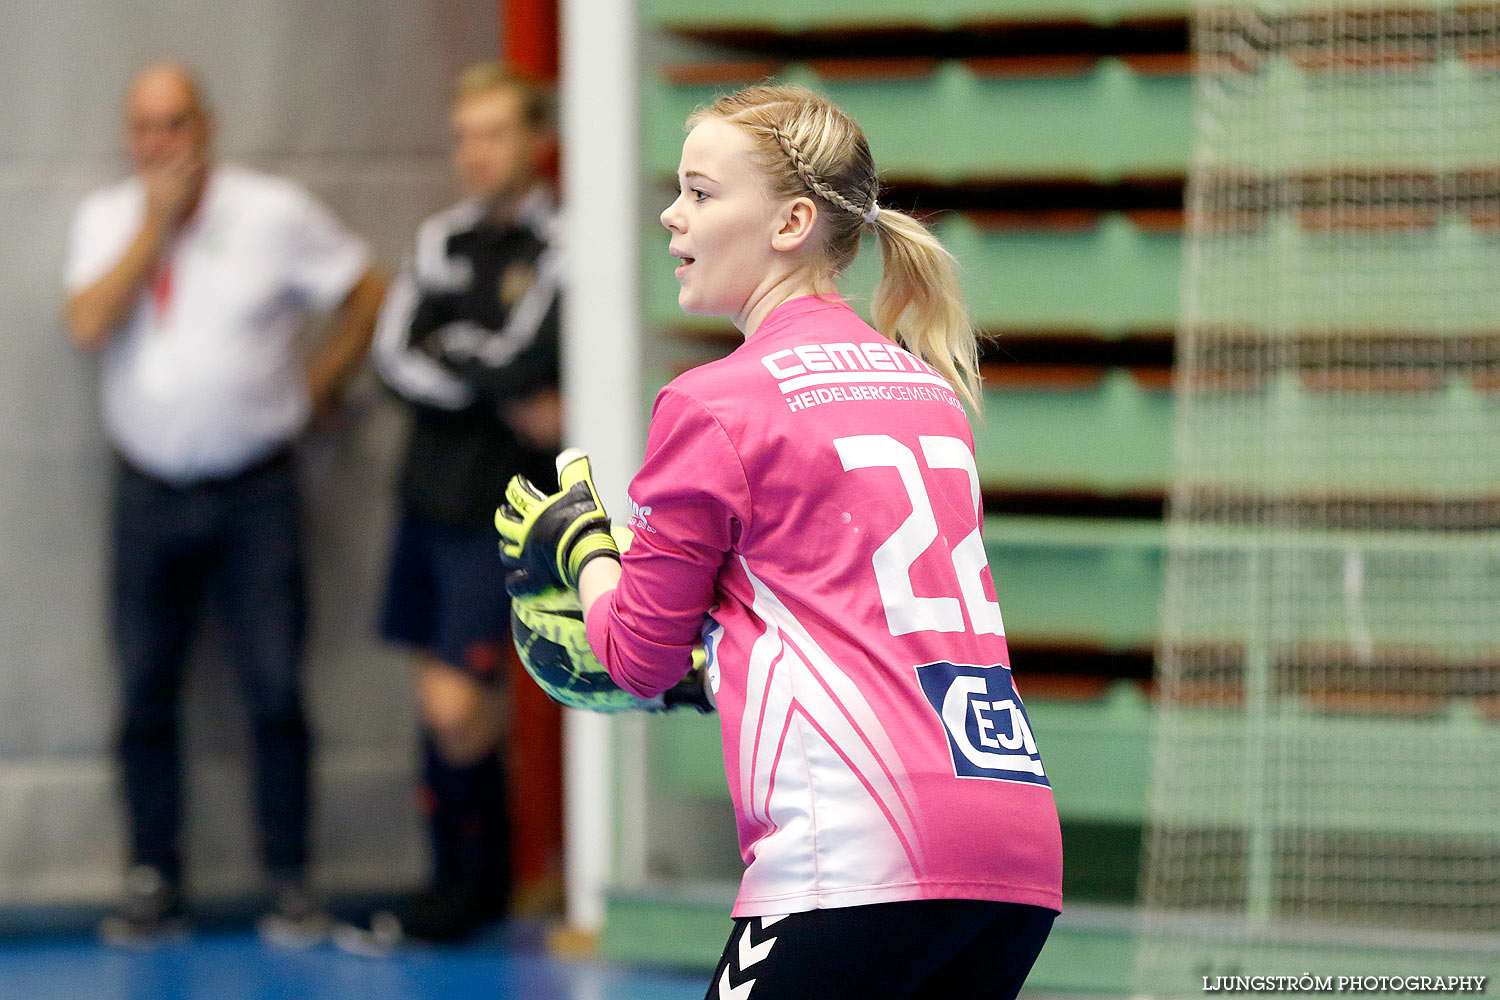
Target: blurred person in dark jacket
[468, 338]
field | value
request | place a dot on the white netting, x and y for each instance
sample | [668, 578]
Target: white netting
[1326, 792]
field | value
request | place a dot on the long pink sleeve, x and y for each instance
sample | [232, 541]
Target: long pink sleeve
[645, 631]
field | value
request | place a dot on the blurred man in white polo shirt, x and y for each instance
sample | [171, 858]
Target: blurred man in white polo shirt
[191, 281]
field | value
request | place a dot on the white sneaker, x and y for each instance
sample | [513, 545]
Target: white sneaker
[296, 922]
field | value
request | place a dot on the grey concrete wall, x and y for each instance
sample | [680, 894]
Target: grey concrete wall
[349, 96]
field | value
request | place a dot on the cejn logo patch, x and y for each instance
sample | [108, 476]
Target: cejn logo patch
[989, 735]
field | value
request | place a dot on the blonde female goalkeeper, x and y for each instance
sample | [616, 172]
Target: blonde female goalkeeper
[809, 511]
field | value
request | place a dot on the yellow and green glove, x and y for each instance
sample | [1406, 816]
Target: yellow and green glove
[545, 541]
[553, 537]
[550, 635]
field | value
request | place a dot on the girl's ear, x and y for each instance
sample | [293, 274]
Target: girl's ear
[797, 220]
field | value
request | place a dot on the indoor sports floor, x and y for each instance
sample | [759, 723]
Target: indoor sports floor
[230, 963]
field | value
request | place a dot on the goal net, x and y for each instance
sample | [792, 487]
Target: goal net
[1326, 790]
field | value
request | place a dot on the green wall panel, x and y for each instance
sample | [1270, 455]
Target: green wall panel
[1077, 580]
[792, 14]
[687, 755]
[1111, 438]
[1108, 279]
[956, 123]
[1097, 753]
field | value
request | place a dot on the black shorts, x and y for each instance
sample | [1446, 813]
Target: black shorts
[446, 596]
[929, 949]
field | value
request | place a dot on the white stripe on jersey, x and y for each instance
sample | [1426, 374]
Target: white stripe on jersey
[465, 339]
[431, 266]
[860, 772]
[422, 378]
[412, 374]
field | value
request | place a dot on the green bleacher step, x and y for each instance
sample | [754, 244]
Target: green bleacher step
[794, 14]
[956, 121]
[1115, 437]
[1083, 580]
[1110, 278]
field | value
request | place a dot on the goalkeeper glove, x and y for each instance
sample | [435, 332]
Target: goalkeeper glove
[553, 537]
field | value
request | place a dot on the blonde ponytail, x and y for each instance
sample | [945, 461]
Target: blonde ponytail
[807, 145]
[920, 304]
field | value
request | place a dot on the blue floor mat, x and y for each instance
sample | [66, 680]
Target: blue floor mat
[235, 965]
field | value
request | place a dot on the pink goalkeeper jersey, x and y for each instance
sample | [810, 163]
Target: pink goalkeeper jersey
[815, 496]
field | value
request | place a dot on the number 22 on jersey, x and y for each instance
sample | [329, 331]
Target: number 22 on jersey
[905, 611]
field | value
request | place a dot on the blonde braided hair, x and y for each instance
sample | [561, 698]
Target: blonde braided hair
[816, 184]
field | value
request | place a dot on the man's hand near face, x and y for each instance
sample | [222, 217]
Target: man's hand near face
[173, 188]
